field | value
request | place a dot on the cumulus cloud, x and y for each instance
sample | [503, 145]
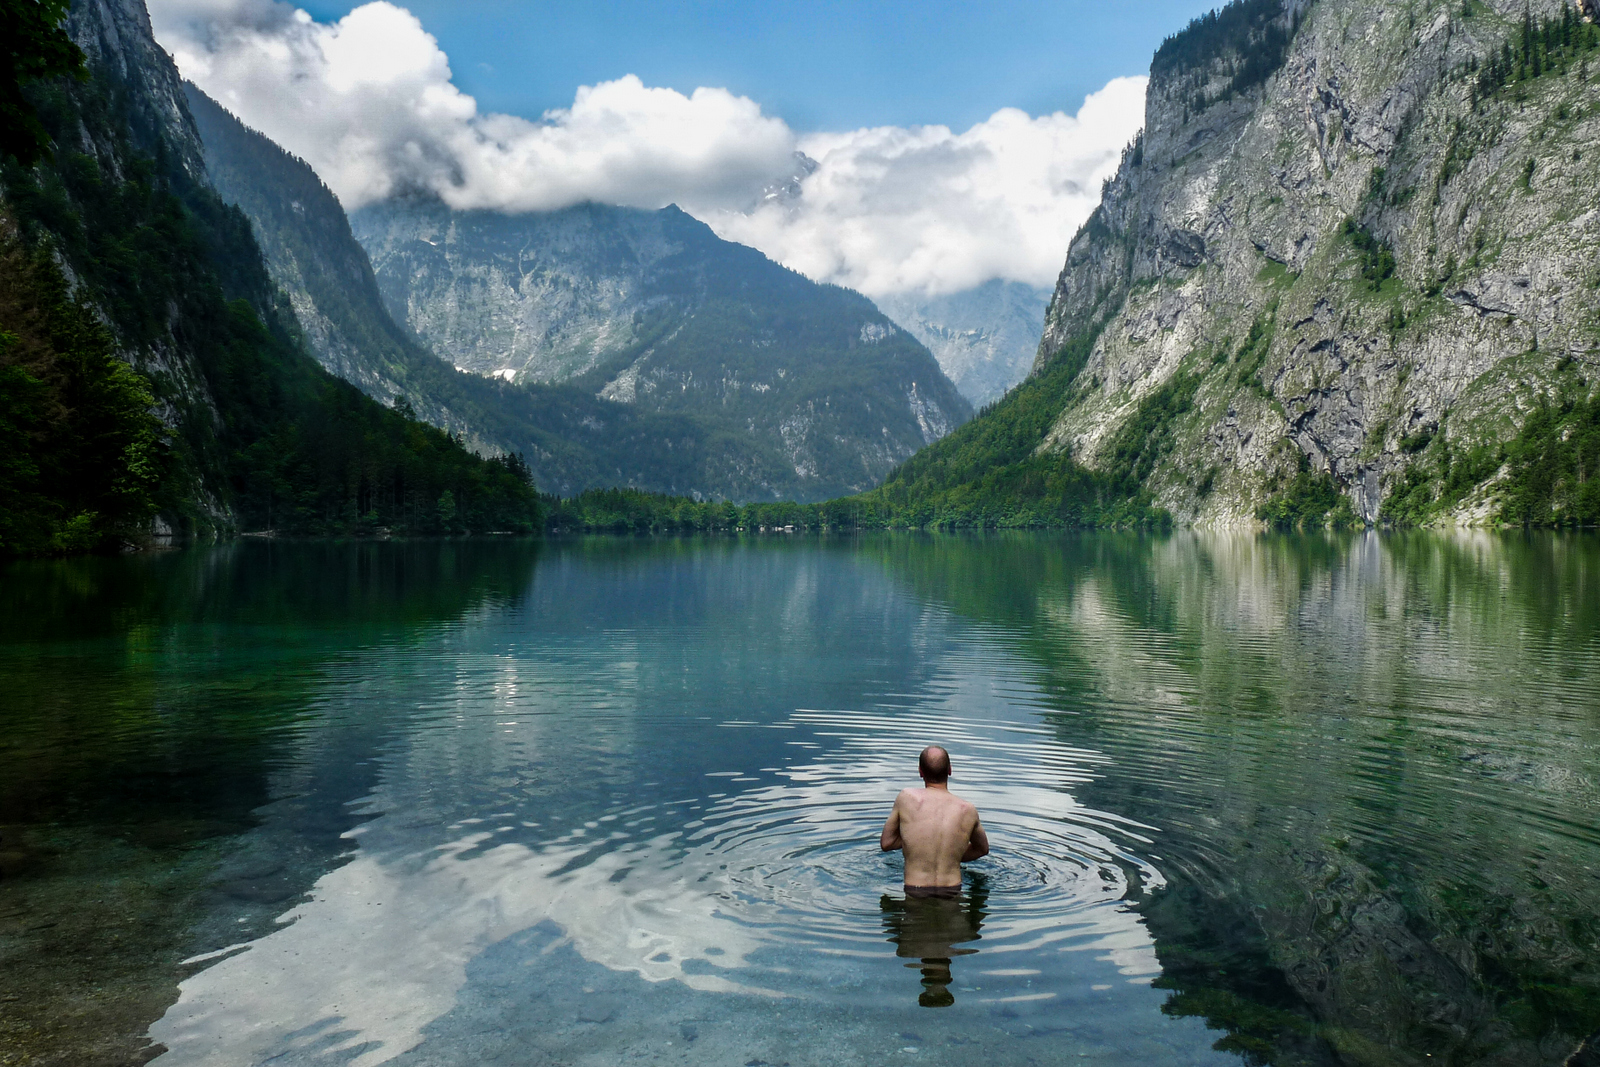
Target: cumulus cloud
[891, 210]
[369, 102]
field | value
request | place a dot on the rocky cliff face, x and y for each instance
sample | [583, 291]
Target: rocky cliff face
[984, 338]
[1343, 249]
[650, 309]
[118, 43]
[120, 49]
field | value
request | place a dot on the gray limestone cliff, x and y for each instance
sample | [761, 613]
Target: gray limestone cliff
[984, 338]
[1344, 248]
[653, 311]
[120, 48]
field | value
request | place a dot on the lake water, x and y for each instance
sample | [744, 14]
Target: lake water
[1289, 800]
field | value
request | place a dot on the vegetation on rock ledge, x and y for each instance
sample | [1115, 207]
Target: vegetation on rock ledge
[1547, 472]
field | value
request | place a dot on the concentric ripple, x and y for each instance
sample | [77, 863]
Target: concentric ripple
[793, 860]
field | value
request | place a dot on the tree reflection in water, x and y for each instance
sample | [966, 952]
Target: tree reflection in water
[927, 925]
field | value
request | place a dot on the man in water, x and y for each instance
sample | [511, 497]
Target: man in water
[937, 830]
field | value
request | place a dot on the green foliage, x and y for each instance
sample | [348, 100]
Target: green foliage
[178, 274]
[1550, 471]
[1437, 482]
[1553, 467]
[1458, 153]
[1377, 258]
[1252, 354]
[1412, 443]
[1007, 432]
[1542, 47]
[989, 473]
[80, 454]
[1310, 499]
[1146, 438]
[1247, 40]
[638, 511]
[34, 46]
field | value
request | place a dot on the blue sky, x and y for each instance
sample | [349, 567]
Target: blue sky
[819, 64]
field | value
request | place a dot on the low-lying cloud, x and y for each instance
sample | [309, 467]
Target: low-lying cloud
[891, 210]
[370, 103]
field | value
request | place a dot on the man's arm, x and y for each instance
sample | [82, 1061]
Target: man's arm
[977, 844]
[889, 840]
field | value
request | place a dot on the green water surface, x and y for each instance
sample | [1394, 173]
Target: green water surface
[1261, 799]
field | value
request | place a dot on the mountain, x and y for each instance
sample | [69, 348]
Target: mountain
[152, 379]
[570, 439]
[654, 312]
[985, 338]
[310, 253]
[1347, 273]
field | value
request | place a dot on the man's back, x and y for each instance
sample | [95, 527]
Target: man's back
[936, 829]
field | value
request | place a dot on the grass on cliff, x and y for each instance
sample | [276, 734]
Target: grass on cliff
[1548, 474]
[1541, 47]
[989, 472]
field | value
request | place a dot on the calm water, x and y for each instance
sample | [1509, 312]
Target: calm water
[1271, 800]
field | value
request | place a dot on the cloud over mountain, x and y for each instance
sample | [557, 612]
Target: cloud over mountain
[369, 102]
[892, 210]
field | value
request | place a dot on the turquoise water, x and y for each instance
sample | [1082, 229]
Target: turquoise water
[1307, 800]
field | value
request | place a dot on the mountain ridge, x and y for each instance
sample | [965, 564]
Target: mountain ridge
[653, 310]
[572, 439]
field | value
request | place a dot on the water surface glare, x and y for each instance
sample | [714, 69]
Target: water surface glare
[1310, 800]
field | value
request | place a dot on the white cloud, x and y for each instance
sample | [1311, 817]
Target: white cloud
[893, 210]
[369, 102]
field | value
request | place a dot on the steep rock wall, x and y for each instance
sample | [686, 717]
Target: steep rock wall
[1221, 259]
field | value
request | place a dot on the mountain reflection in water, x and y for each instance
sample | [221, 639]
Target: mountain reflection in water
[1289, 800]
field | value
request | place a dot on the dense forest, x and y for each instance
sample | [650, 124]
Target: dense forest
[1244, 43]
[147, 365]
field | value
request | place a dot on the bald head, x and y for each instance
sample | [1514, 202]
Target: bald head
[934, 764]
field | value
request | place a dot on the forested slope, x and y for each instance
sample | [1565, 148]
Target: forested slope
[151, 376]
